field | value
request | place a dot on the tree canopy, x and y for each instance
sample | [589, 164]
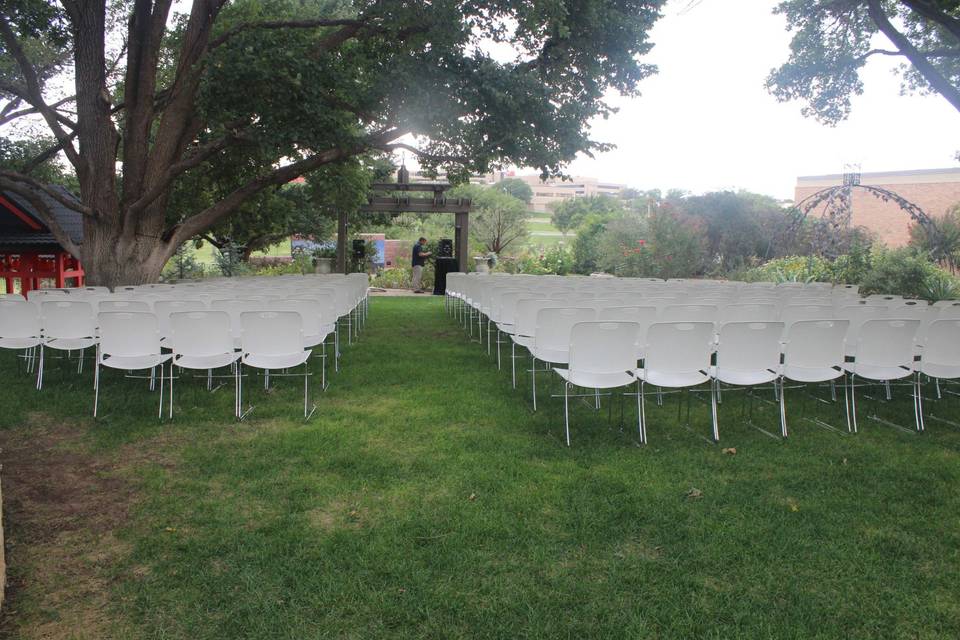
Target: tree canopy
[834, 39]
[517, 188]
[285, 87]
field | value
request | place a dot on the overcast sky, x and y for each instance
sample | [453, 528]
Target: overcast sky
[706, 122]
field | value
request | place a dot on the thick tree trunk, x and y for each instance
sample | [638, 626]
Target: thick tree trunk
[111, 260]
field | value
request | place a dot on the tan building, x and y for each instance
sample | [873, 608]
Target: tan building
[933, 190]
[556, 190]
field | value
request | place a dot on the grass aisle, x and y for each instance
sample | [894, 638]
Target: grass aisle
[424, 500]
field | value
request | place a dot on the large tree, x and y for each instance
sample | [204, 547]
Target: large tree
[834, 39]
[292, 86]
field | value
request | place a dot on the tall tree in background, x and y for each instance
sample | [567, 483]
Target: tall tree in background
[570, 214]
[497, 219]
[834, 39]
[293, 86]
[517, 188]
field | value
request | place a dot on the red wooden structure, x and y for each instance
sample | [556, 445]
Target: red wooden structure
[29, 254]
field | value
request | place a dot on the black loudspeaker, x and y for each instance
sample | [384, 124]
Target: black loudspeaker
[445, 248]
[358, 249]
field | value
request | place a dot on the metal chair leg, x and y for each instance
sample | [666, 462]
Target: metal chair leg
[566, 409]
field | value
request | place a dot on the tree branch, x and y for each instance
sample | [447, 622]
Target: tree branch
[44, 212]
[34, 92]
[939, 83]
[397, 146]
[70, 203]
[282, 24]
[933, 13]
[171, 172]
[200, 222]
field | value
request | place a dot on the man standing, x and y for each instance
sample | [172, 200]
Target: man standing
[420, 255]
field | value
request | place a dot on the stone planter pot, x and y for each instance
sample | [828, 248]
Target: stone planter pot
[324, 265]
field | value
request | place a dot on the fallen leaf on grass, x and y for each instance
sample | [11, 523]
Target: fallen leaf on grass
[170, 530]
[472, 497]
[694, 494]
[729, 451]
[792, 503]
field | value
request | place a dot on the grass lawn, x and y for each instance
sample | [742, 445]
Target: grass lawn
[425, 500]
[205, 254]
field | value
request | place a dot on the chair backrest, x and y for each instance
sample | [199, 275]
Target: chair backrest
[46, 294]
[68, 319]
[199, 332]
[681, 347]
[313, 313]
[553, 326]
[942, 343]
[236, 308]
[126, 333]
[749, 346]
[526, 314]
[815, 343]
[163, 308]
[689, 313]
[603, 347]
[271, 332]
[641, 315]
[133, 306]
[799, 312]
[19, 319]
[886, 342]
[748, 312]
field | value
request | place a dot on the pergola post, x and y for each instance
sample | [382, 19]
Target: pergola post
[462, 240]
[342, 241]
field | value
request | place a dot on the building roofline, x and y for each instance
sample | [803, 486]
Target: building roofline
[884, 174]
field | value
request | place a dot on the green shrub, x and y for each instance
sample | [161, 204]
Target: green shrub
[401, 278]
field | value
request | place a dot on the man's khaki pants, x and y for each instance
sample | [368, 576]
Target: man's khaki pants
[417, 276]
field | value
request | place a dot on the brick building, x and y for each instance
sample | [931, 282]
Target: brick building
[933, 190]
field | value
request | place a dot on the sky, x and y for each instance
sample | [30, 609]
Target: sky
[706, 122]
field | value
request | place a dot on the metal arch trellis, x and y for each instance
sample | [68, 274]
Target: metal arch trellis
[837, 211]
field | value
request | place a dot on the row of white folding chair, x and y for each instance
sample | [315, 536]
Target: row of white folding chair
[271, 340]
[750, 354]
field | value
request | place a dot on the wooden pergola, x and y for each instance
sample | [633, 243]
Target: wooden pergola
[394, 198]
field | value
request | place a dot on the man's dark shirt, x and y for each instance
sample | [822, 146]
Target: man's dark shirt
[418, 260]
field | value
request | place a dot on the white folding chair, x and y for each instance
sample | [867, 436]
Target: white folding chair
[748, 355]
[129, 341]
[273, 340]
[20, 329]
[678, 357]
[130, 306]
[643, 316]
[884, 353]
[601, 356]
[164, 308]
[67, 325]
[814, 353]
[940, 362]
[202, 340]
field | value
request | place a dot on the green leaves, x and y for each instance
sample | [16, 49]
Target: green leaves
[832, 41]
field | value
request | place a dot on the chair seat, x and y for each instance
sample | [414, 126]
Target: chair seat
[673, 379]
[145, 361]
[505, 328]
[941, 371]
[811, 374]
[214, 361]
[553, 356]
[596, 380]
[315, 339]
[19, 343]
[743, 378]
[69, 344]
[523, 341]
[276, 361]
[874, 372]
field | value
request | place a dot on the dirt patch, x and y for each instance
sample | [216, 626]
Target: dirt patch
[62, 507]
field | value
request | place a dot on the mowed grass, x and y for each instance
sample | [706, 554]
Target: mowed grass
[425, 500]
